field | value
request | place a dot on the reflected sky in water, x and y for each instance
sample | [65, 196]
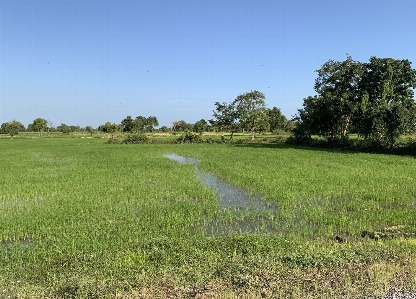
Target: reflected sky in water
[232, 198]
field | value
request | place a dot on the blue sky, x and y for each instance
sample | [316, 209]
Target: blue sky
[92, 61]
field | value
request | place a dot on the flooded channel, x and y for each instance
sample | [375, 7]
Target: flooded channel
[249, 212]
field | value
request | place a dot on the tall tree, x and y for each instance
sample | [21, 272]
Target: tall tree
[39, 124]
[128, 124]
[251, 111]
[338, 86]
[277, 121]
[200, 126]
[151, 122]
[226, 117]
[388, 105]
[140, 123]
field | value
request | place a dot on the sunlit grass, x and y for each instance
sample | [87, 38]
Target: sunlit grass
[83, 217]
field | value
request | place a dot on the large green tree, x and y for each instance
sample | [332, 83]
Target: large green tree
[128, 124]
[374, 98]
[12, 128]
[151, 123]
[39, 124]
[338, 87]
[251, 111]
[140, 123]
[277, 121]
[388, 104]
[201, 126]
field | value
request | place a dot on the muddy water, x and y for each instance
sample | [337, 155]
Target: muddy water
[238, 201]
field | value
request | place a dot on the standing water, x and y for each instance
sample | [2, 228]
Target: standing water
[238, 201]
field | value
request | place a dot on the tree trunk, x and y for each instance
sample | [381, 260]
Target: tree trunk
[345, 126]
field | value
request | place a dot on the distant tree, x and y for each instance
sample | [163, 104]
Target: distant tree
[128, 124]
[49, 126]
[226, 117]
[151, 122]
[201, 126]
[186, 127]
[39, 124]
[277, 121]
[251, 111]
[109, 128]
[76, 128]
[164, 129]
[12, 128]
[89, 129]
[181, 126]
[175, 126]
[140, 123]
[64, 129]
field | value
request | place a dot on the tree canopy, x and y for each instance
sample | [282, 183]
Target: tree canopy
[39, 124]
[374, 99]
[12, 128]
[248, 111]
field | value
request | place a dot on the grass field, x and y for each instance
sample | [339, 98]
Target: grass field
[85, 219]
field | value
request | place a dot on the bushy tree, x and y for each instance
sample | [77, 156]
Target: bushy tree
[151, 123]
[164, 129]
[201, 126]
[181, 126]
[226, 117]
[277, 121]
[251, 111]
[374, 98]
[39, 125]
[247, 111]
[89, 129]
[64, 129]
[12, 128]
[128, 124]
[109, 128]
[388, 105]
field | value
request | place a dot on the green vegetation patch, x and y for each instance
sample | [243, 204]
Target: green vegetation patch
[81, 218]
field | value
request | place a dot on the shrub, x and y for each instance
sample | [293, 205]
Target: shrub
[190, 137]
[136, 138]
[113, 141]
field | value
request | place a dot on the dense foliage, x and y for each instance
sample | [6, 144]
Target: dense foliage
[374, 99]
[12, 128]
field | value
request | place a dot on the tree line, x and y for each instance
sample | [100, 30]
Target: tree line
[272, 120]
[374, 100]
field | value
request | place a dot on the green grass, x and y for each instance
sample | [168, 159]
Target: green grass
[80, 218]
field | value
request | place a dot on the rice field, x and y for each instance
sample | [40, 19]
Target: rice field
[85, 219]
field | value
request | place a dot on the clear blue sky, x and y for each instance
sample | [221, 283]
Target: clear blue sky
[88, 62]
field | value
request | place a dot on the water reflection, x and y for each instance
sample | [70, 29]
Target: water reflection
[240, 202]
[234, 198]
